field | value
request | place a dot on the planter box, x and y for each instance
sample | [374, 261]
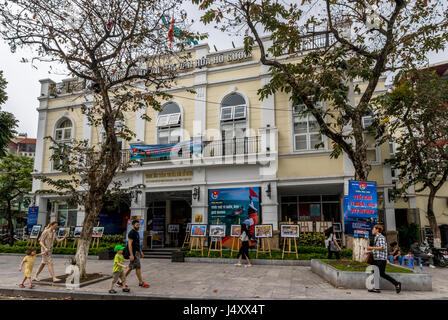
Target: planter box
[177, 256]
[357, 280]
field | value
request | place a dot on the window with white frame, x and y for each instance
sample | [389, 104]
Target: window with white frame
[306, 131]
[169, 124]
[233, 116]
[119, 125]
[63, 135]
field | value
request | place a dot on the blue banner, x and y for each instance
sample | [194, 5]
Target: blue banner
[360, 209]
[165, 150]
[33, 213]
[362, 200]
[234, 206]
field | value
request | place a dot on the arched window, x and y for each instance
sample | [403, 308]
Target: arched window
[233, 116]
[169, 124]
[63, 130]
[119, 125]
[63, 134]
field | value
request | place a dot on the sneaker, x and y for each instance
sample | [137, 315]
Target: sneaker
[143, 284]
[32, 286]
[248, 265]
[374, 290]
[431, 266]
[126, 289]
[21, 285]
[238, 264]
[398, 287]
[119, 283]
[112, 291]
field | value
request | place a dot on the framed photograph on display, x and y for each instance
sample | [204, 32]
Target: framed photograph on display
[63, 231]
[218, 230]
[235, 230]
[198, 230]
[289, 230]
[337, 227]
[35, 231]
[263, 231]
[97, 232]
[173, 228]
[77, 232]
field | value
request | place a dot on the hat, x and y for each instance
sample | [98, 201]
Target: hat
[118, 247]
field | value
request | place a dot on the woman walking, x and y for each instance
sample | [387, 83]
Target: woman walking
[380, 257]
[332, 244]
[244, 250]
[46, 242]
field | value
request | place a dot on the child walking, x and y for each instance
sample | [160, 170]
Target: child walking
[29, 259]
[118, 272]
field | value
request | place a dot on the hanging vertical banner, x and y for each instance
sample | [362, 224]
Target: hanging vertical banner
[360, 209]
[362, 199]
[33, 213]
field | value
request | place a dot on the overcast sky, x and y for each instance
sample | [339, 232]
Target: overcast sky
[23, 80]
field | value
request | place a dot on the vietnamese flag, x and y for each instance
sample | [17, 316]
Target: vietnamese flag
[170, 31]
[253, 193]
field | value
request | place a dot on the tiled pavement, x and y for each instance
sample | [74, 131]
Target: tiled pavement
[221, 281]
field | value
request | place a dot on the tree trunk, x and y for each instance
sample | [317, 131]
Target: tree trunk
[360, 249]
[432, 220]
[10, 224]
[92, 210]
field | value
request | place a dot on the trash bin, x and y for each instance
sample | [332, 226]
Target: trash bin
[177, 256]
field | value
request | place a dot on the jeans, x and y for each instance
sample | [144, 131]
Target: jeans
[391, 259]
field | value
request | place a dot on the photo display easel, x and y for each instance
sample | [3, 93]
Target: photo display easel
[197, 242]
[264, 245]
[32, 240]
[96, 240]
[62, 244]
[236, 242]
[306, 226]
[186, 242]
[289, 241]
[218, 243]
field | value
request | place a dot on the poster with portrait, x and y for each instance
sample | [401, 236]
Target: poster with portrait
[235, 230]
[97, 232]
[173, 228]
[198, 230]
[289, 230]
[263, 231]
[63, 231]
[218, 230]
[35, 231]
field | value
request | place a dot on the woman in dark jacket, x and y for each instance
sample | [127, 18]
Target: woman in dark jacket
[244, 250]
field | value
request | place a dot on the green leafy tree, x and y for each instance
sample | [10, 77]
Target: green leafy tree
[120, 53]
[362, 40]
[418, 111]
[15, 183]
[7, 121]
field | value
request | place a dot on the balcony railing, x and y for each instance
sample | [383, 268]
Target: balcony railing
[315, 41]
[205, 149]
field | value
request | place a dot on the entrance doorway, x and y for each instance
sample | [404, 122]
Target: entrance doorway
[172, 207]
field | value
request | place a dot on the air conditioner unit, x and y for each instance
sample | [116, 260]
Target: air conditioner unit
[367, 121]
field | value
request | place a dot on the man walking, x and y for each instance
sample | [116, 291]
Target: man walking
[135, 253]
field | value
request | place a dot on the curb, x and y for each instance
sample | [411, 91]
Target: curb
[302, 263]
[80, 295]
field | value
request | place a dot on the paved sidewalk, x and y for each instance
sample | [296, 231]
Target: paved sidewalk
[221, 281]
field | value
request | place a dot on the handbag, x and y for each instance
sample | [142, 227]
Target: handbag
[369, 259]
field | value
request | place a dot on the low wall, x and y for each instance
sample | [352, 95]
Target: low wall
[357, 280]
[303, 263]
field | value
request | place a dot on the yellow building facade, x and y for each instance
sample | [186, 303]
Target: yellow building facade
[244, 143]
